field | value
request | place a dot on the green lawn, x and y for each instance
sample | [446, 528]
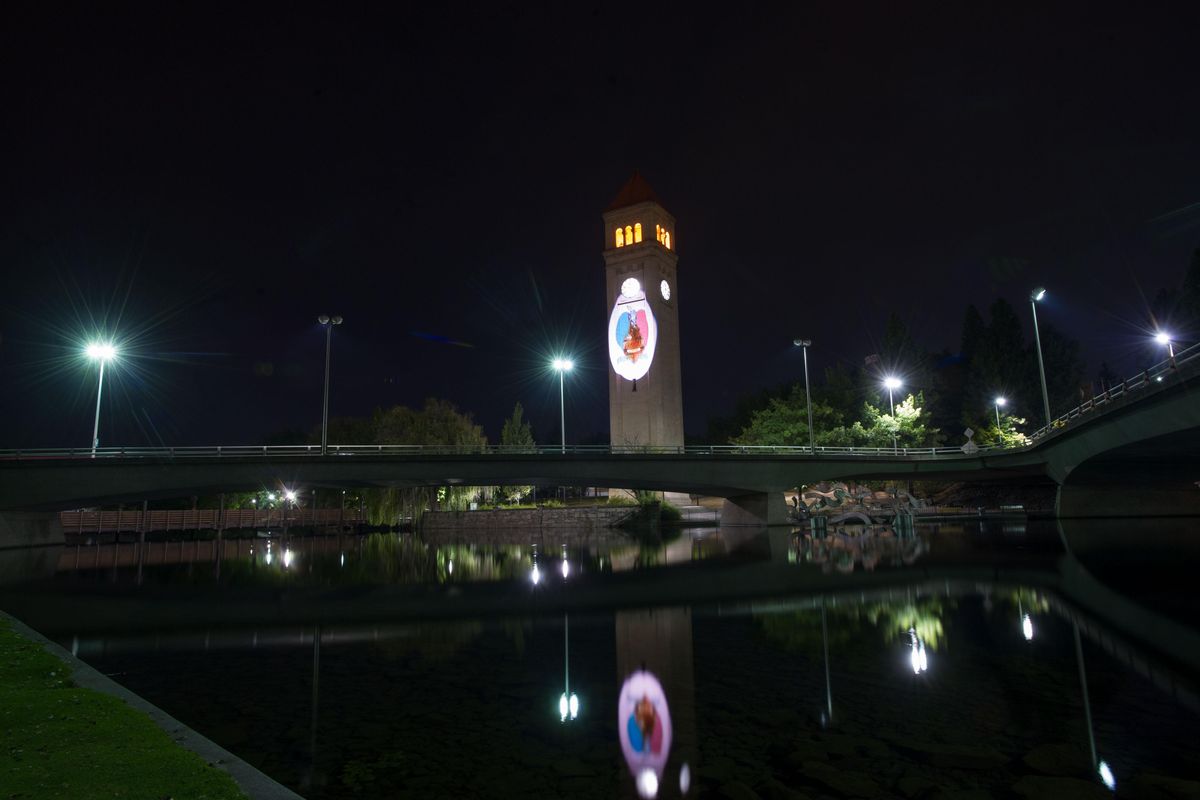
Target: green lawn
[60, 741]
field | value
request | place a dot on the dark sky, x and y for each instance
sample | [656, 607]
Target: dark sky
[204, 186]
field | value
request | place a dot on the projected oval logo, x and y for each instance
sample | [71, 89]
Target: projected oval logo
[644, 723]
[632, 332]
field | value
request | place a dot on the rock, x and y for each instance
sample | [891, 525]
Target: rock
[1149, 786]
[955, 756]
[1041, 786]
[962, 794]
[720, 770]
[1064, 760]
[736, 790]
[915, 785]
[772, 789]
[806, 751]
[844, 745]
[854, 784]
[573, 768]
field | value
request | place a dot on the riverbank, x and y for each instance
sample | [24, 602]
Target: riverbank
[66, 731]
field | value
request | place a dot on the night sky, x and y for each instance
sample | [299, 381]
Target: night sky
[202, 187]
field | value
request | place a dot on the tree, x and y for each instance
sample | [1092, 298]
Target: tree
[517, 435]
[908, 426]
[1064, 370]
[1000, 366]
[784, 422]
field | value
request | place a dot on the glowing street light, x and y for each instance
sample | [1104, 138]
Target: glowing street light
[1034, 299]
[102, 352]
[328, 322]
[1162, 337]
[892, 383]
[805, 344]
[999, 401]
[562, 365]
[1027, 628]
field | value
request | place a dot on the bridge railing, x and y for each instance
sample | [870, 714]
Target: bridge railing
[393, 450]
[1149, 380]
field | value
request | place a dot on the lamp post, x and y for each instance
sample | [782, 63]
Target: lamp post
[999, 401]
[1162, 337]
[891, 383]
[102, 352]
[562, 365]
[804, 344]
[328, 322]
[1037, 295]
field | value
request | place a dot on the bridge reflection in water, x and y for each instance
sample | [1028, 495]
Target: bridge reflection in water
[781, 669]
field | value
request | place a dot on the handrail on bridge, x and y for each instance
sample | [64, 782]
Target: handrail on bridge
[1134, 388]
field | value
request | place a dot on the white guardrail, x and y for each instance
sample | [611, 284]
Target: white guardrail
[1148, 382]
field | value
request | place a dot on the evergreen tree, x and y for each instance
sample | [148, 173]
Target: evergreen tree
[999, 366]
[517, 435]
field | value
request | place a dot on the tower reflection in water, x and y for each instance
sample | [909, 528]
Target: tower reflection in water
[656, 718]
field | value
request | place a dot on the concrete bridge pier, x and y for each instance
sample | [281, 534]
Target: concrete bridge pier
[30, 529]
[760, 508]
[1130, 495]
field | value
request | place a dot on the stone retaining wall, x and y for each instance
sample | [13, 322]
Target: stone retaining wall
[579, 518]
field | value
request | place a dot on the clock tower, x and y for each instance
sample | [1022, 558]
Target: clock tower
[645, 395]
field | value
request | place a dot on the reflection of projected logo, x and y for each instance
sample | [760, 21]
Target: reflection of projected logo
[644, 723]
[632, 336]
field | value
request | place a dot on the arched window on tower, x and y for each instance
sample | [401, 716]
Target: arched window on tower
[628, 234]
[620, 237]
[658, 233]
[637, 231]
[667, 239]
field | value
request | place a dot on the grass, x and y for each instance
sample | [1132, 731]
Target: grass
[58, 740]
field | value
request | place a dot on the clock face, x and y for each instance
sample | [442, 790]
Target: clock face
[665, 288]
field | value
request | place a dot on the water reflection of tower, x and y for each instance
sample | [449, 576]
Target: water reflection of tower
[660, 642]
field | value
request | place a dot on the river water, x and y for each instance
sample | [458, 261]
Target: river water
[966, 660]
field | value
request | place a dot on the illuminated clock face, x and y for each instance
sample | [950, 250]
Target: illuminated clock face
[665, 288]
[632, 333]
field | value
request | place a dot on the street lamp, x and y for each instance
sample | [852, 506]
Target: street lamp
[1162, 337]
[1037, 295]
[562, 365]
[891, 383]
[328, 322]
[999, 401]
[805, 344]
[102, 352]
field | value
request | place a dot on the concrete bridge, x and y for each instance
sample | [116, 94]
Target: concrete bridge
[1132, 451]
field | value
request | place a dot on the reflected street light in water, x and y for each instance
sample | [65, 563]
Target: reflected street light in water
[1026, 622]
[102, 352]
[568, 703]
[1102, 769]
[920, 661]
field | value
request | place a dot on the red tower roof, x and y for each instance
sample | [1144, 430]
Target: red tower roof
[635, 191]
